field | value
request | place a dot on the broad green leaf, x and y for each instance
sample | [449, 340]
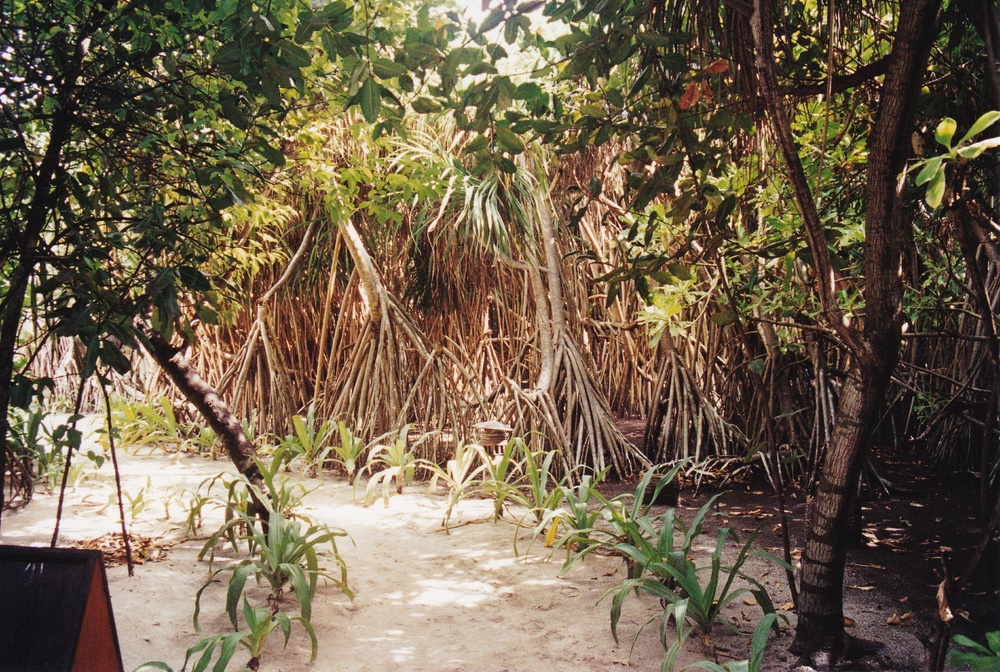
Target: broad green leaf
[294, 55]
[425, 105]
[981, 124]
[386, 69]
[594, 111]
[193, 279]
[724, 319]
[227, 650]
[510, 32]
[528, 91]
[508, 140]
[477, 145]
[271, 154]
[370, 100]
[935, 192]
[975, 149]
[929, 170]
[492, 20]
[946, 131]
[113, 357]
[679, 270]
[657, 39]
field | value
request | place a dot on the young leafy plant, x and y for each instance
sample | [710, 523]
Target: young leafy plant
[226, 645]
[670, 574]
[460, 475]
[575, 514]
[279, 495]
[754, 663]
[348, 451]
[32, 442]
[539, 492]
[977, 657]
[396, 461]
[260, 623]
[502, 475]
[283, 556]
[625, 524]
[932, 171]
[309, 441]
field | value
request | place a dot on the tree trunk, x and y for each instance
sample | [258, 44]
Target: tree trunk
[875, 349]
[12, 305]
[821, 585]
[215, 412]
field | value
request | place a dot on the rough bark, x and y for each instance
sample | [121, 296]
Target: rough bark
[215, 412]
[11, 307]
[875, 348]
[821, 584]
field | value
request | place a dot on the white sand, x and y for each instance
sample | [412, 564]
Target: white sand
[425, 600]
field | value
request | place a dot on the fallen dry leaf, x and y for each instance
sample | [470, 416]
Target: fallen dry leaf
[718, 67]
[787, 606]
[862, 587]
[894, 620]
[903, 600]
[849, 622]
[749, 601]
[691, 96]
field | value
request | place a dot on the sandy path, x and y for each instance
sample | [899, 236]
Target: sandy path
[425, 600]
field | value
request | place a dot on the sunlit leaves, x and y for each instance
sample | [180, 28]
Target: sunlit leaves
[945, 131]
[370, 99]
[508, 140]
[933, 172]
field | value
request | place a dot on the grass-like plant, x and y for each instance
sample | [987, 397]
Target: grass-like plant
[539, 492]
[32, 442]
[461, 475]
[202, 441]
[309, 442]
[668, 572]
[153, 423]
[501, 475]
[676, 612]
[279, 494]
[575, 514]
[348, 452]
[259, 622]
[625, 523]
[394, 462]
[977, 657]
[285, 555]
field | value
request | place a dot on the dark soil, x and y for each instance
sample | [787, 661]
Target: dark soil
[907, 538]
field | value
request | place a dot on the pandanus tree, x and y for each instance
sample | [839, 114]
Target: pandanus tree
[665, 79]
[507, 213]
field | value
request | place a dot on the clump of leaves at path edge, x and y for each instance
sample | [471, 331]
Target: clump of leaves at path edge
[626, 524]
[979, 658]
[394, 461]
[665, 571]
[283, 555]
[260, 624]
